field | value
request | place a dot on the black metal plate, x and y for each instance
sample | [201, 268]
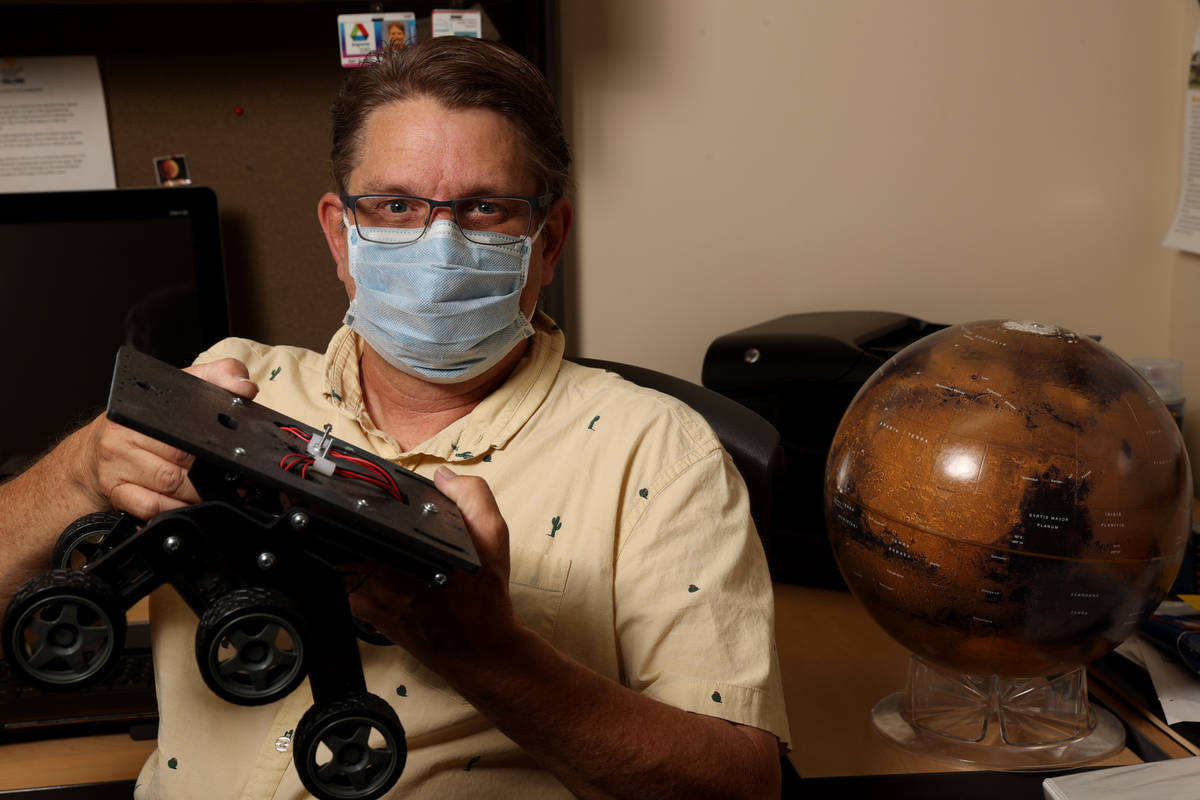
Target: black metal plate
[246, 439]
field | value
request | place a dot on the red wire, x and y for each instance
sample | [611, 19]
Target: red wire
[381, 477]
[358, 476]
[378, 470]
[296, 432]
[295, 459]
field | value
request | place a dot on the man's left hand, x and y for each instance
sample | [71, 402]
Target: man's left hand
[444, 626]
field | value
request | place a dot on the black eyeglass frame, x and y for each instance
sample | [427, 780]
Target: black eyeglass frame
[535, 204]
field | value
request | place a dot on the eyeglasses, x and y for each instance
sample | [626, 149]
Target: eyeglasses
[402, 219]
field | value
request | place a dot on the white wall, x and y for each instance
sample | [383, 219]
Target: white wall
[951, 159]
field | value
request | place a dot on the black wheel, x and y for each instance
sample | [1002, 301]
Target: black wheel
[250, 647]
[350, 749]
[82, 540]
[63, 629]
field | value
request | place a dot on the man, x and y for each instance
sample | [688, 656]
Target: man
[617, 640]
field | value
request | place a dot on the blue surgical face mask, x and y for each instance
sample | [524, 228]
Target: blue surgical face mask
[443, 308]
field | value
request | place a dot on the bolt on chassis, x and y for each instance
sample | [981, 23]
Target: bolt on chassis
[259, 560]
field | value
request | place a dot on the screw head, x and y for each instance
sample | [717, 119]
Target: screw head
[440, 579]
[429, 508]
[239, 401]
[172, 544]
[361, 504]
[266, 560]
[239, 451]
[298, 520]
[752, 355]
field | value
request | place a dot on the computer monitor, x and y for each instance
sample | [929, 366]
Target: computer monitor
[85, 272]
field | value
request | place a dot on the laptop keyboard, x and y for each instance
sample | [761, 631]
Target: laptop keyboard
[122, 701]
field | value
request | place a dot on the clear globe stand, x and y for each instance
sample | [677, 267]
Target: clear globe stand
[998, 722]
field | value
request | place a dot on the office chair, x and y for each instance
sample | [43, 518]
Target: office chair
[750, 440]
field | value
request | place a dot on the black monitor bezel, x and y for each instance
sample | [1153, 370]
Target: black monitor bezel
[198, 202]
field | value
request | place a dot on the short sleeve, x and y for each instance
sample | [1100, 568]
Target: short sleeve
[694, 604]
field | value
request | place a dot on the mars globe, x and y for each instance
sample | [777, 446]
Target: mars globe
[1008, 498]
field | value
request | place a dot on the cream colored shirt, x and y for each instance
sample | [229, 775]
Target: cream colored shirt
[632, 551]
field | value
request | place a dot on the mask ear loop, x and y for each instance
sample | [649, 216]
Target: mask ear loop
[524, 278]
[538, 232]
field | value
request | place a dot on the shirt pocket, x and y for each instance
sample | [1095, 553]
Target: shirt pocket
[535, 585]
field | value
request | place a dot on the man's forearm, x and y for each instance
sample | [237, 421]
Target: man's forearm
[604, 740]
[36, 506]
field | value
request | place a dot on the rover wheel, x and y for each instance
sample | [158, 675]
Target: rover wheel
[350, 749]
[63, 628]
[83, 539]
[250, 647]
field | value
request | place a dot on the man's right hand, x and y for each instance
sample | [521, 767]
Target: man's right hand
[134, 473]
[101, 466]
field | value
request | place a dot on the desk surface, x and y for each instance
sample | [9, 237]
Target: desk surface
[837, 663]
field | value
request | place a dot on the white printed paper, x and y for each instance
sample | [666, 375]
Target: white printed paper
[53, 126]
[1185, 232]
[457, 23]
[1178, 688]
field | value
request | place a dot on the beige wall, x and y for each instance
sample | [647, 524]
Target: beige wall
[952, 159]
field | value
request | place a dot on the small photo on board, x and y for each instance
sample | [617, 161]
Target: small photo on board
[398, 30]
[172, 170]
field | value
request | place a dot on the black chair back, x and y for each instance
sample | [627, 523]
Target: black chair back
[750, 440]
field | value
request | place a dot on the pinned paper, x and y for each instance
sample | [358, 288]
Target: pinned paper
[53, 126]
[1185, 231]
[457, 23]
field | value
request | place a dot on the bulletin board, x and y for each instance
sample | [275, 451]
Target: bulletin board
[243, 90]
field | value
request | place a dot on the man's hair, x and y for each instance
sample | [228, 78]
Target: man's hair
[460, 73]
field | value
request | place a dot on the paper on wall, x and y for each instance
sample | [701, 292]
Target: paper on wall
[468, 22]
[53, 126]
[1185, 231]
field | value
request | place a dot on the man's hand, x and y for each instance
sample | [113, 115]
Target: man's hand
[99, 467]
[446, 626]
[135, 473]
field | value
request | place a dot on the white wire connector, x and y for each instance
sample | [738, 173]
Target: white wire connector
[319, 450]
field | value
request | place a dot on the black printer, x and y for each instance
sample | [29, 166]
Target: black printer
[800, 372]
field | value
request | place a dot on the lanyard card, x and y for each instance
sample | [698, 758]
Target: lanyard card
[457, 23]
[360, 35]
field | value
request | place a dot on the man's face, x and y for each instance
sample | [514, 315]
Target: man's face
[418, 147]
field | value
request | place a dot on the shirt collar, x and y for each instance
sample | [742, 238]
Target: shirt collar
[488, 426]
